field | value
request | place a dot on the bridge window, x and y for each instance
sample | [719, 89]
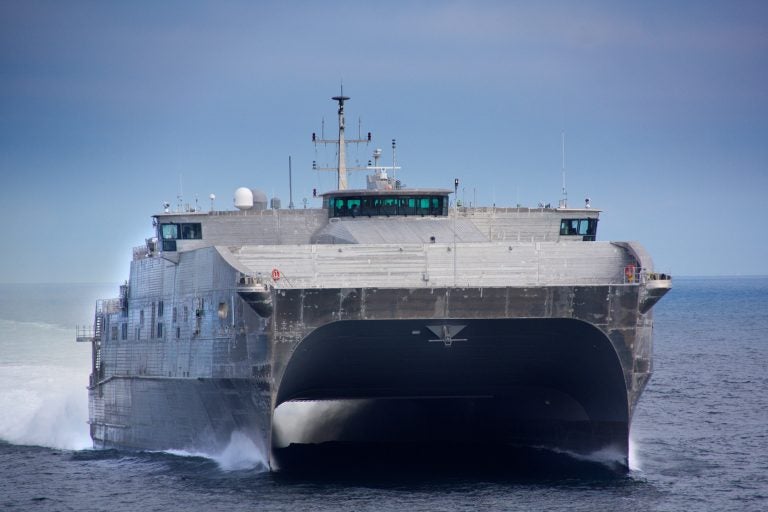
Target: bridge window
[586, 228]
[184, 231]
[368, 206]
[191, 231]
[170, 232]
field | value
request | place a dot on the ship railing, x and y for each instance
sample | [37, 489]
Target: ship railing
[109, 306]
[140, 252]
[641, 275]
[252, 281]
[104, 307]
[430, 280]
[657, 276]
[145, 251]
[84, 333]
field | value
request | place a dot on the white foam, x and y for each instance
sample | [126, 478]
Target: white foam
[44, 406]
[241, 453]
[634, 454]
[610, 456]
[43, 379]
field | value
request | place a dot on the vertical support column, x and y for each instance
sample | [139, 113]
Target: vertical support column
[342, 145]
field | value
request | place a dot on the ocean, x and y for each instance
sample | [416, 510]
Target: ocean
[699, 438]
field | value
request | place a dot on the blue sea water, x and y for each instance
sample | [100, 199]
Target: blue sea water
[699, 437]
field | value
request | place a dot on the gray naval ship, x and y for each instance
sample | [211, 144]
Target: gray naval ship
[390, 320]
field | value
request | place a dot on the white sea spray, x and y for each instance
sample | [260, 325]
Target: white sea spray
[43, 379]
[241, 453]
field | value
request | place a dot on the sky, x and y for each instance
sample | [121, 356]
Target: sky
[108, 109]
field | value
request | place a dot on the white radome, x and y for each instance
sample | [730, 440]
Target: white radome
[243, 198]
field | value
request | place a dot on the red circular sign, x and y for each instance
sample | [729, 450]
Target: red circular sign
[275, 274]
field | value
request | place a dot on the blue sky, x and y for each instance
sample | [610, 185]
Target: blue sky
[105, 107]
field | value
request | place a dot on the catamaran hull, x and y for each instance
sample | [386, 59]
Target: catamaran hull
[361, 389]
[557, 367]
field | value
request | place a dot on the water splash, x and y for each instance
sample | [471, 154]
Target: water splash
[610, 457]
[43, 378]
[44, 406]
[241, 453]
[634, 454]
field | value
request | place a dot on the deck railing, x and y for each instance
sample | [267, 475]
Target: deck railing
[108, 306]
[640, 275]
[253, 281]
[147, 250]
[140, 252]
[84, 333]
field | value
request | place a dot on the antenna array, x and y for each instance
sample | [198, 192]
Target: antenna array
[341, 167]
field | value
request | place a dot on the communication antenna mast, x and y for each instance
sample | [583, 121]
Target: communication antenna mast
[564, 200]
[290, 185]
[394, 164]
[180, 196]
[341, 167]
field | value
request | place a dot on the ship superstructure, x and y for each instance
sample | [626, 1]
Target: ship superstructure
[424, 323]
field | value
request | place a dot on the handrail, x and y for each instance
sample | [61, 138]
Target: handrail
[147, 250]
[108, 306]
[253, 281]
[259, 280]
[140, 252]
[84, 333]
[640, 275]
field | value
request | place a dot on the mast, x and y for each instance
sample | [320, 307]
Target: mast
[341, 167]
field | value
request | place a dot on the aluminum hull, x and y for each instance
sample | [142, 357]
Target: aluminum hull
[559, 368]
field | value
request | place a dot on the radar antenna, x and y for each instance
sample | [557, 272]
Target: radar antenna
[379, 180]
[341, 167]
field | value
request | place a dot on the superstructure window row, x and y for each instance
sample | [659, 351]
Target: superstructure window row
[366, 206]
